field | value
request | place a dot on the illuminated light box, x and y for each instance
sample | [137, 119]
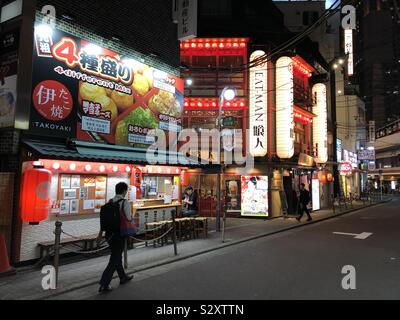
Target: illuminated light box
[284, 108]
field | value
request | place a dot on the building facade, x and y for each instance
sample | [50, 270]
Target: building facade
[283, 139]
[91, 80]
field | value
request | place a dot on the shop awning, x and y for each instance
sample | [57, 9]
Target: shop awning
[84, 151]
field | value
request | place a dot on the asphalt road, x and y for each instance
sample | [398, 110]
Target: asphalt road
[304, 263]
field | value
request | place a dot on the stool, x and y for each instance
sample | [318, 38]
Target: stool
[154, 232]
[201, 226]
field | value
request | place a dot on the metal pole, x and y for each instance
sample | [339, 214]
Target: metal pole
[218, 218]
[336, 181]
[223, 224]
[174, 232]
[57, 242]
[126, 253]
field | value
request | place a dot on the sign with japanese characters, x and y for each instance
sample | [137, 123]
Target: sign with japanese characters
[258, 107]
[348, 49]
[366, 155]
[187, 19]
[285, 136]
[82, 90]
[8, 77]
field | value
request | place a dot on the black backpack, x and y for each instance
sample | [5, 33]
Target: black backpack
[110, 217]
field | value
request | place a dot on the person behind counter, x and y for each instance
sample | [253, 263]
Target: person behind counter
[189, 203]
[115, 240]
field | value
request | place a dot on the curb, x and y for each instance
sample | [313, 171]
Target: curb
[131, 271]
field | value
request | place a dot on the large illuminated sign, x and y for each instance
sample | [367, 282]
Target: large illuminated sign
[320, 127]
[258, 107]
[284, 108]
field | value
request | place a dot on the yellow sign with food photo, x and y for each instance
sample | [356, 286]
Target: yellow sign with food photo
[104, 96]
[128, 114]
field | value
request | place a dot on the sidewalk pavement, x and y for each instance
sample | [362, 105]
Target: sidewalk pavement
[26, 285]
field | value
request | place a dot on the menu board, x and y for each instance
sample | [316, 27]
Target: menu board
[254, 196]
[80, 194]
[100, 95]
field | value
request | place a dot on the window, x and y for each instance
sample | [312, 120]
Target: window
[204, 61]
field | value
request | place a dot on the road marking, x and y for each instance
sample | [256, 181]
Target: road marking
[361, 236]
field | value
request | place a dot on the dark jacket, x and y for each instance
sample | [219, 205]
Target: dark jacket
[305, 197]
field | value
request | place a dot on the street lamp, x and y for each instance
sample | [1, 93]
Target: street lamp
[189, 82]
[227, 94]
[333, 66]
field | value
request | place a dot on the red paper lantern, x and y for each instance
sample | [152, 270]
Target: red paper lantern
[323, 178]
[184, 178]
[35, 195]
[137, 177]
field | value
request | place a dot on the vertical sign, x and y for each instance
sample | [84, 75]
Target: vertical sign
[348, 49]
[372, 131]
[258, 107]
[284, 108]
[320, 127]
[187, 19]
[339, 150]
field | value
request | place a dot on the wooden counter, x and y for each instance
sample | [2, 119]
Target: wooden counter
[154, 213]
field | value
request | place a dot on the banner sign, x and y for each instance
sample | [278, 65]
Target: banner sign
[85, 91]
[366, 155]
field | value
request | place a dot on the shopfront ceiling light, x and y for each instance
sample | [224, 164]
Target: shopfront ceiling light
[56, 166]
[335, 66]
[102, 168]
[229, 94]
[189, 82]
[72, 167]
[115, 168]
[88, 168]
[128, 169]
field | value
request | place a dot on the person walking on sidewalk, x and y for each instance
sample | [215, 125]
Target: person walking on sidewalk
[304, 201]
[110, 224]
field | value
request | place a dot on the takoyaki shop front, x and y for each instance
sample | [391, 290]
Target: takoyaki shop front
[92, 116]
[73, 192]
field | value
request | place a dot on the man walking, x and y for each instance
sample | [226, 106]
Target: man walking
[110, 224]
[304, 201]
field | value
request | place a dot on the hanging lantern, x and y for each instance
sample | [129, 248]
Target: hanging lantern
[329, 177]
[322, 177]
[137, 177]
[184, 178]
[35, 195]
